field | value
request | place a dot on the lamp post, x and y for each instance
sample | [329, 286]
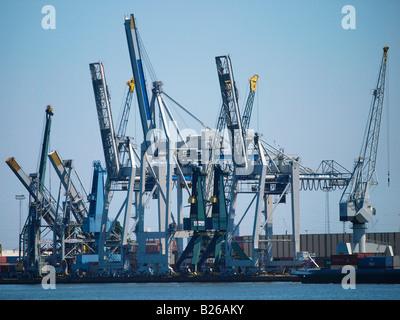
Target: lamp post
[20, 197]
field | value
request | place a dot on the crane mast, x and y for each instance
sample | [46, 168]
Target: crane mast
[354, 204]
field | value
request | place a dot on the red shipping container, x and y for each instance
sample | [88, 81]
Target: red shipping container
[363, 255]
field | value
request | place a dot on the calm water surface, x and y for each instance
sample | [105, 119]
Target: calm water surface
[201, 291]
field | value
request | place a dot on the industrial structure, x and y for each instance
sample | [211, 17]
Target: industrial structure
[355, 205]
[211, 170]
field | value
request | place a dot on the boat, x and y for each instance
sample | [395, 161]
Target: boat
[378, 276]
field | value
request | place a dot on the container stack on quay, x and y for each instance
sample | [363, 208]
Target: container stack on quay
[379, 262]
[9, 263]
[338, 261]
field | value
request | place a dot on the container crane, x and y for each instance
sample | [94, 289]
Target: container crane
[355, 203]
[41, 204]
[119, 175]
[210, 224]
[240, 167]
[155, 177]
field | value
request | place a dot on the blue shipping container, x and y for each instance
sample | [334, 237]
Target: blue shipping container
[376, 262]
[12, 259]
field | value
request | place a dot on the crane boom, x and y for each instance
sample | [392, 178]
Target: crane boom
[354, 203]
[146, 115]
[127, 107]
[45, 146]
[231, 108]
[31, 185]
[103, 105]
[80, 210]
[249, 104]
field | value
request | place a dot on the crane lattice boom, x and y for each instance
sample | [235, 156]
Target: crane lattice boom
[354, 204]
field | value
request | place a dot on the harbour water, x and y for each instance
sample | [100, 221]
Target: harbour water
[201, 291]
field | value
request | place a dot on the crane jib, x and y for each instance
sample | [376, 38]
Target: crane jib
[137, 68]
[143, 85]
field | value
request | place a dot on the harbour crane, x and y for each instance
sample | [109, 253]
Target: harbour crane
[120, 176]
[158, 161]
[43, 206]
[355, 205]
[240, 167]
[213, 185]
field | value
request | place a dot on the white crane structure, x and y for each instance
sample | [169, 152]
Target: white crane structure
[355, 205]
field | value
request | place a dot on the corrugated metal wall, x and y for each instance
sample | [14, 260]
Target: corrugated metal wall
[323, 245]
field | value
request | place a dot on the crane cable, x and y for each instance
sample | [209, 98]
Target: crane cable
[387, 126]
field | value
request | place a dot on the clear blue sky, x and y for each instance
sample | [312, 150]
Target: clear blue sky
[313, 93]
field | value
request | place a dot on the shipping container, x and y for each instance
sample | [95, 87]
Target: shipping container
[3, 259]
[375, 262]
[240, 241]
[5, 268]
[12, 259]
[396, 261]
[86, 258]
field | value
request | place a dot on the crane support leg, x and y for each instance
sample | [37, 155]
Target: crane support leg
[260, 195]
[295, 188]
